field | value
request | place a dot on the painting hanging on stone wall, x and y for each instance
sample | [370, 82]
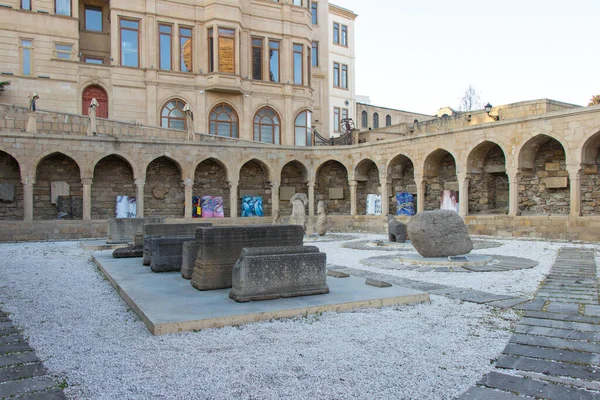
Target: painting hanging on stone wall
[405, 204]
[196, 209]
[212, 207]
[373, 204]
[449, 200]
[126, 207]
[252, 207]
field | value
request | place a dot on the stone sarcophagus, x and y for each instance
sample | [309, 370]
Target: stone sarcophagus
[166, 253]
[220, 247]
[265, 273]
[122, 230]
[159, 230]
[188, 258]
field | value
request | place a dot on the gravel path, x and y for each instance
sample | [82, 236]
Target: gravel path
[85, 333]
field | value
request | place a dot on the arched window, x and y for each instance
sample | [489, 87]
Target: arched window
[224, 121]
[172, 115]
[365, 119]
[302, 129]
[375, 121]
[267, 126]
[388, 120]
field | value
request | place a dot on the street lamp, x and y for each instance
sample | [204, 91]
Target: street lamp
[488, 109]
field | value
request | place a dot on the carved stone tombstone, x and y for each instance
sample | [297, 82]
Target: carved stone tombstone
[298, 217]
[321, 219]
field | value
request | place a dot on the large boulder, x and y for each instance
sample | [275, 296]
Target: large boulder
[439, 233]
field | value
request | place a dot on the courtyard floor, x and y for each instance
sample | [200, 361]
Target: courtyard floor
[94, 347]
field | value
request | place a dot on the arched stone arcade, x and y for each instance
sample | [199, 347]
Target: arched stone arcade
[488, 181]
[440, 174]
[366, 175]
[113, 176]
[11, 189]
[401, 177]
[332, 186]
[164, 193]
[57, 175]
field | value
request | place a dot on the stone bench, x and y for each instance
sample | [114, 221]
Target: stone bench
[159, 230]
[219, 247]
[166, 253]
[122, 230]
[265, 273]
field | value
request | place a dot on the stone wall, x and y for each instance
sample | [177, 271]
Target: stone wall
[291, 176]
[54, 168]
[113, 177]
[332, 174]
[488, 190]
[590, 188]
[254, 181]
[210, 179]
[10, 175]
[446, 174]
[402, 177]
[534, 197]
[364, 188]
[164, 192]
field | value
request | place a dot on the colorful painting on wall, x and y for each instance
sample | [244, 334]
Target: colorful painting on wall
[405, 204]
[207, 207]
[252, 207]
[126, 207]
[373, 204]
[196, 209]
[449, 200]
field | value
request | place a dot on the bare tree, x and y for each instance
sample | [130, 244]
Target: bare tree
[595, 100]
[471, 100]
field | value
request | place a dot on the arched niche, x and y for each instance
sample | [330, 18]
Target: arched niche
[294, 178]
[366, 175]
[11, 200]
[113, 176]
[590, 178]
[332, 186]
[164, 193]
[488, 181]
[57, 175]
[210, 179]
[255, 182]
[401, 176]
[440, 174]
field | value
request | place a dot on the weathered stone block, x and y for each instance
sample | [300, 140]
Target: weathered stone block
[7, 192]
[396, 230]
[555, 182]
[128, 252]
[58, 188]
[590, 170]
[286, 193]
[167, 253]
[412, 189]
[552, 166]
[439, 233]
[220, 247]
[188, 258]
[151, 231]
[451, 186]
[122, 230]
[265, 273]
[336, 193]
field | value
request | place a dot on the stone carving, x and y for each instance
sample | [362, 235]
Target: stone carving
[264, 273]
[33, 97]
[58, 188]
[299, 202]
[396, 230]
[160, 191]
[166, 253]
[219, 247]
[92, 129]
[321, 219]
[439, 233]
[7, 192]
[151, 231]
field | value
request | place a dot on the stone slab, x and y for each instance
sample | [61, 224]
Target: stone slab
[558, 307]
[129, 252]
[472, 260]
[19, 358]
[7, 192]
[592, 311]
[14, 348]
[556, 182]
[188, 258]
[23, 386]
[564, 317]
[483, 393]
[376, 283]
[556, 343]
[15, 372]
[552, 354]
[548, 323]
[11, 339]
[337, 274]
[549, 368]
[477, 297]
[336, 193]
[122, 230]
[168, 304]
[54, 394]
[166, 253]
[99, 245]
[151, 231]
[509, 302]
[559, 333]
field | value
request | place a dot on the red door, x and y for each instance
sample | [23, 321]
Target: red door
[97, 92]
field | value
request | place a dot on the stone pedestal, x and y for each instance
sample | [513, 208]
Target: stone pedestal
[31, 122]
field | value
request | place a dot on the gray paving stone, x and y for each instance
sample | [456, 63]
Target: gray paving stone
[448, 290]
[559, 333]
[11, 339]
[551, 354]
[54, 394]
[509, 302]
[22, 371]
[8, 331]
[484, 393]
[534, 388]
[4, 319]
[557, 343]
[592, 311]
[534, 305]
[18, 358]
[558, 307]
[14, 348]
[477, 297]
[6, 325]
[16, 388]
[548, 323]
[563, 317]
[589, 373]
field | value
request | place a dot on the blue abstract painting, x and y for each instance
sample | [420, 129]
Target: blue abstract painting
[252, 207]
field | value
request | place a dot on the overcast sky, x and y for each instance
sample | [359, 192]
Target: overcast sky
[422, 55]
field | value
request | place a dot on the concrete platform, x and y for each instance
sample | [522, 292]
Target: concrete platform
[167, 303]
[100, 244]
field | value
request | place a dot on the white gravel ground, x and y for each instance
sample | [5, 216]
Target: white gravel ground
[85, 333]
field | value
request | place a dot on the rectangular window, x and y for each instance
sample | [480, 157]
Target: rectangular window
[313, 11]
[164, 46]
[274, 46]
[93, 19]
[93, 60]
[211, 51]
[186, 50]
[298, 70]
[297, 2]
[344, 35]
[336, 119]
[130, 43]
[344, 114]
[336, 33]
[26, 5]
[63, 51]
[257, 58]
[336, 75]
[27, 52]
[344, 76]
[62, 7]
[315, 54]
[227, 50]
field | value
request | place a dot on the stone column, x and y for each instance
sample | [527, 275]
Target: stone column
[513, 193]
[575, 185]
[233, 199]
[139, 198]
[87, 198]
[385, 197]
[274, 198]
[421, 186]
[353, 206]
[189, 187]
[463, 194]
[28, 183]
[311, 198]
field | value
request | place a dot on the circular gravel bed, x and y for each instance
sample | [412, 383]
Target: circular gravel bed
[386, 245]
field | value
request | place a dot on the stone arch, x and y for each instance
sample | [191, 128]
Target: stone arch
[439, 172]
[388, 120]
[211, 179]
[332, 177]
[11, 193]
[255, 181]
[113, 175]
[66, 153]
[100, 94]
[488, 181]
[366, 175]
[544, 177]
[401, 177]
[294, 178]
[65, 172]
[164, 193]
[590, 177]
[126, 157]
